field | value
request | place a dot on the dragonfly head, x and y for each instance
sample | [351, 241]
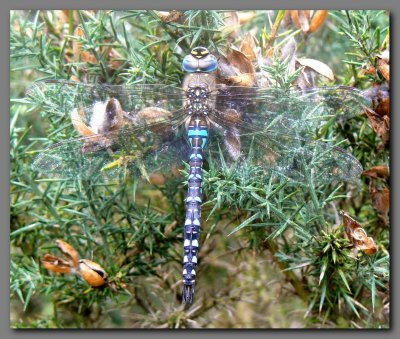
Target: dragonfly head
[199, 60]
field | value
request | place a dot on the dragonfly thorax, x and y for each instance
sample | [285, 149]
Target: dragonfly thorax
[197, 97]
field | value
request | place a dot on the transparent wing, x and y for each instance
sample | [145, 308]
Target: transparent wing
[274, 129]
[289, 111]
[60, 98]
[295, 158]
[139, 128]
[138, 151]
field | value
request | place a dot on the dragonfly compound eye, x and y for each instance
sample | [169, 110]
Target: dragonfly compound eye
[200, 60]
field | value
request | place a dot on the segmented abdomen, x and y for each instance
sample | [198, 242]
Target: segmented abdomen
[197, 134]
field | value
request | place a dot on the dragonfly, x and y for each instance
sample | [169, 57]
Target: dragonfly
[141, 129]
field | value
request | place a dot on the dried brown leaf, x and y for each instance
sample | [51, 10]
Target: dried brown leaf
[63, 15]
[74, 78]
[380, 124]
[151, 115]
[172, 16]
[294, 16]
[306, 78]
[115, 59]
[245, 80]
[383, 106]
[317, 66]
[381, 171]
[115, 114]
[380, 98]
[79, 54]
[79, 125]
[236, 69]
[240, 61]
[368, 69]
[380, 199]
[225, 69]
[56, 264]
[317, 20]
[357, 235]
[69, 251]
[248, 47]
[92, 273]
[232, 116]
[385, 56]
[301, 19]
[384, 69]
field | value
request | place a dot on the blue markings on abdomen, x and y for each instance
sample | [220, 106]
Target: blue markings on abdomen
[198, 133]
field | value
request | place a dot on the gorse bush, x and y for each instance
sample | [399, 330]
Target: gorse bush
[274, 252]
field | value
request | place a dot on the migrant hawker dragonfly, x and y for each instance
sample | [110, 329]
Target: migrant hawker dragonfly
[146, 128]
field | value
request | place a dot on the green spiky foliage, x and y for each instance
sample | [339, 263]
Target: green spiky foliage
[273, 254]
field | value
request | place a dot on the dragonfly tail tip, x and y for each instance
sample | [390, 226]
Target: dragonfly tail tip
[187, 294]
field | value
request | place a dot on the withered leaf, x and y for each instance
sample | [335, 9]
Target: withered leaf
[151, 116]
[368, 69]
[79, 54]
[301, 19]
[380, 124]
[115, 59]
[92, 273]
[306, 78]
[236, 69]
[384, 69]
[317, 20]
[240, 61]
[69, 251]
[79, 125]
[56, 264]
[294, 16]
[357, 235]
[248, 47]
[385, 56]
[380, 199]
[380, 98]
[377, 171]
[114, 114]
[172, 16]
[64, 16]
[232, 116]
[317, 66]
[74, 78]
[383, 106]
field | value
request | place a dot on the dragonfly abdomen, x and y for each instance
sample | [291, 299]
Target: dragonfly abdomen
[197, 132]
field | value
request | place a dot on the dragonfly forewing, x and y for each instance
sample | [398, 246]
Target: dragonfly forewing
[290, 111]
[118, 127]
